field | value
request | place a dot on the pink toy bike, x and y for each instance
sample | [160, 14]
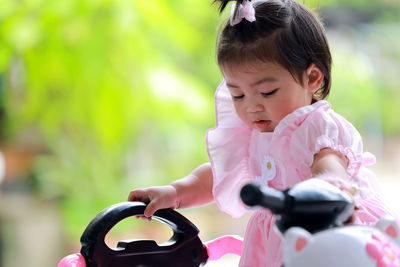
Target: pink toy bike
[311, 217]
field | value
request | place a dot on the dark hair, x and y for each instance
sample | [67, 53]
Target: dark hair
[285, 32]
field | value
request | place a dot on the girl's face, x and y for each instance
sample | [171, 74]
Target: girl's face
[265, 93]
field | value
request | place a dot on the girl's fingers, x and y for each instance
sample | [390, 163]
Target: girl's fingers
[144, 218]
[138, 195]
[134, 195]
[150, 209]
[155, 197]
[143, 195]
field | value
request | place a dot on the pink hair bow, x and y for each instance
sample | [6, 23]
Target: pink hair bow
[244, 10]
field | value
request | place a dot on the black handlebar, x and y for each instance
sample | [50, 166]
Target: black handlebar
[184, 249]
[312, 204]
[253, 195]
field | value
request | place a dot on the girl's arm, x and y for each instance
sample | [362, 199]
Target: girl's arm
[329, 162]
[196, 188]
[192, 190]
[331, 166]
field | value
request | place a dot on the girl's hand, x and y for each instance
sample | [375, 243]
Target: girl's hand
[157, 197]
[192, 190]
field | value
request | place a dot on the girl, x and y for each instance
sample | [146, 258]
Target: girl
[272, 125]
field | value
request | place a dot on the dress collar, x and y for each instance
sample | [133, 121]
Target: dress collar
[298, 116]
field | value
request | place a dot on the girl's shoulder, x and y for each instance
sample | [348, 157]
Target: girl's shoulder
[321, 121]
[318, 116]
[325, 119]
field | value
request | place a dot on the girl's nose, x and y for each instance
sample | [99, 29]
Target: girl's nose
[254, 106]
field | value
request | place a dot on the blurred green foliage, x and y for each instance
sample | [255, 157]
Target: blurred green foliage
[120, 92]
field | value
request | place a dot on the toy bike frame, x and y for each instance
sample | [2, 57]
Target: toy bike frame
[311, 216]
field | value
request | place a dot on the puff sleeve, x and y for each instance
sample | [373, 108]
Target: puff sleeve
[324, 128]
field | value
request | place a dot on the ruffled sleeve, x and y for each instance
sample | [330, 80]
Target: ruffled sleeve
[228, 150]
[323, 128]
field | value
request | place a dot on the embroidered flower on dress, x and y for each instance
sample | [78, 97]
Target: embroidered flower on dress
[381, 249]
[268, 171]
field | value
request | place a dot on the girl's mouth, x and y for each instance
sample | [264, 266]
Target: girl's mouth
[262, 125]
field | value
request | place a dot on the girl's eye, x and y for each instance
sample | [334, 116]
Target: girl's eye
[237, 97]
[269, 93]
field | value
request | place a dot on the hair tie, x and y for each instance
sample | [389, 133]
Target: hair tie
[240, 11]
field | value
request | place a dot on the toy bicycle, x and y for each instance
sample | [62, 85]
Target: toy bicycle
[311, 216]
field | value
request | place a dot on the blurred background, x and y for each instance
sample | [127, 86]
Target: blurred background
[98, 97]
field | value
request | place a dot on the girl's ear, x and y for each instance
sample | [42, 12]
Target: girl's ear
[296, 239]
[314, 78]
[388, 225]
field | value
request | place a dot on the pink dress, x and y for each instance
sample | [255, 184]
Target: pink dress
[240, 154]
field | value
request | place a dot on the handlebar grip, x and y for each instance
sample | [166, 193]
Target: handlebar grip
[313, 204]
[253, 195]
[184, 242]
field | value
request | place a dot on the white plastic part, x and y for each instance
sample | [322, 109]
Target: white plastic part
[346, 246]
